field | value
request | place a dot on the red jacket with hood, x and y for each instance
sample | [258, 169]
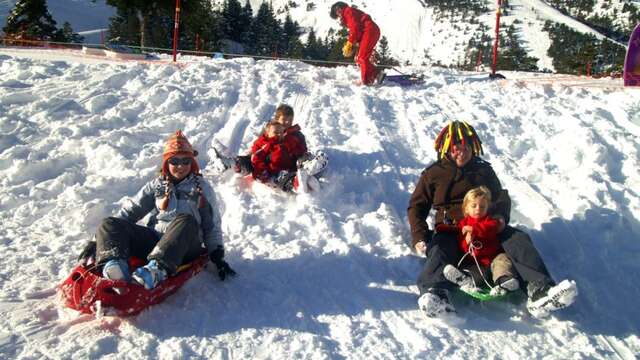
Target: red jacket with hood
[295, 142]
[357, 21]
[270, 155]
[485, 231]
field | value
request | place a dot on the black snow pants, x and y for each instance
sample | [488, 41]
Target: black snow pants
[120, 239]
[443, 249]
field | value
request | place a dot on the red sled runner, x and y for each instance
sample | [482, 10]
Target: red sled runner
[85, 290]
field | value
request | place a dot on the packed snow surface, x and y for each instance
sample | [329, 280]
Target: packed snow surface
[325, 276]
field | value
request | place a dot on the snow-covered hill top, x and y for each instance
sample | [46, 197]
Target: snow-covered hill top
[416, 32]
[328, 276]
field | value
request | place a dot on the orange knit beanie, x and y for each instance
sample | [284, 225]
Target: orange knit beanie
[177, 144]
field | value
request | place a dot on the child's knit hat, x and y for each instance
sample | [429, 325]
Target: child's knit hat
[177, 144]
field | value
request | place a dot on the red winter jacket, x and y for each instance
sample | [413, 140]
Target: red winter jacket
[295, 142]
[357, 21]
[485, 231]
[271, 155]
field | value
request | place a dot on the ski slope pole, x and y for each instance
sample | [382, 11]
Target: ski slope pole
[497, 39]
[175, 30]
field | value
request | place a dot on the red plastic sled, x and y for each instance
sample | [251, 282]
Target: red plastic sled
[87, 291]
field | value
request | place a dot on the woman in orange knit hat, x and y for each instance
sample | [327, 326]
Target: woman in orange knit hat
[183, 217]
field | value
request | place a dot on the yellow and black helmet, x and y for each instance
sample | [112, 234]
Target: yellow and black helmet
[458, 132]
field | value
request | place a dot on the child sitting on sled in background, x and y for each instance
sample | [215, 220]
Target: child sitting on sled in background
[184, 218]
[291, 158]
[273, 163]
[478, 240]
[293, 137]
[270, 155]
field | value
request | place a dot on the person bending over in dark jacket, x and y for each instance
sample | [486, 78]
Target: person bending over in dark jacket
[442, 187]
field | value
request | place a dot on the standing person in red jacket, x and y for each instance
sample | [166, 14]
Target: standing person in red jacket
[364, 31]
[478, 240]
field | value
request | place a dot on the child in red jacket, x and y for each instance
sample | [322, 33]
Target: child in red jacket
[270, 154]
[479, 239]
[282, 174]
[362, 30]
[294, 139]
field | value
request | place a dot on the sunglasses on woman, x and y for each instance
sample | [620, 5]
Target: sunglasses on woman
[175, 161]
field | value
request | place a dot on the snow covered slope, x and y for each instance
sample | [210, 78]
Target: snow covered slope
[328, 276]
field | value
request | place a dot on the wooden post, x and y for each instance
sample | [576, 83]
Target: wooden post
[497, 39]
[175, 30]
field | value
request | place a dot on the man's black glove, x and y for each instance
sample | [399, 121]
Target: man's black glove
[89, 252]
[224, 269]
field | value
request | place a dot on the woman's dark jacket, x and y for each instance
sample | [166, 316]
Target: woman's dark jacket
[442, 186]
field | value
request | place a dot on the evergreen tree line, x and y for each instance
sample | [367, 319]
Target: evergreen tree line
[572, 51]
[31, 20]
[232, 29]
[464, 7]
[583, 11]
[511, 54]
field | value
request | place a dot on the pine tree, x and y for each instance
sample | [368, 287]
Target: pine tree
[266, 30]
[135, 18]
[513, 56]
[246, 16]
[335, 43]
[384, 55]
[69, 35]
[31, 19]
[202, 23]
[311, 49]
[143, 15]
[290, 39]
[232, 20]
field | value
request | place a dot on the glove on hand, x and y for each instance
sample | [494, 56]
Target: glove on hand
[89, 252]
[224, 269]
[347, 49]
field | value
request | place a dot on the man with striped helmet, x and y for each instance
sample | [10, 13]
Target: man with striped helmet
[442, 187]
